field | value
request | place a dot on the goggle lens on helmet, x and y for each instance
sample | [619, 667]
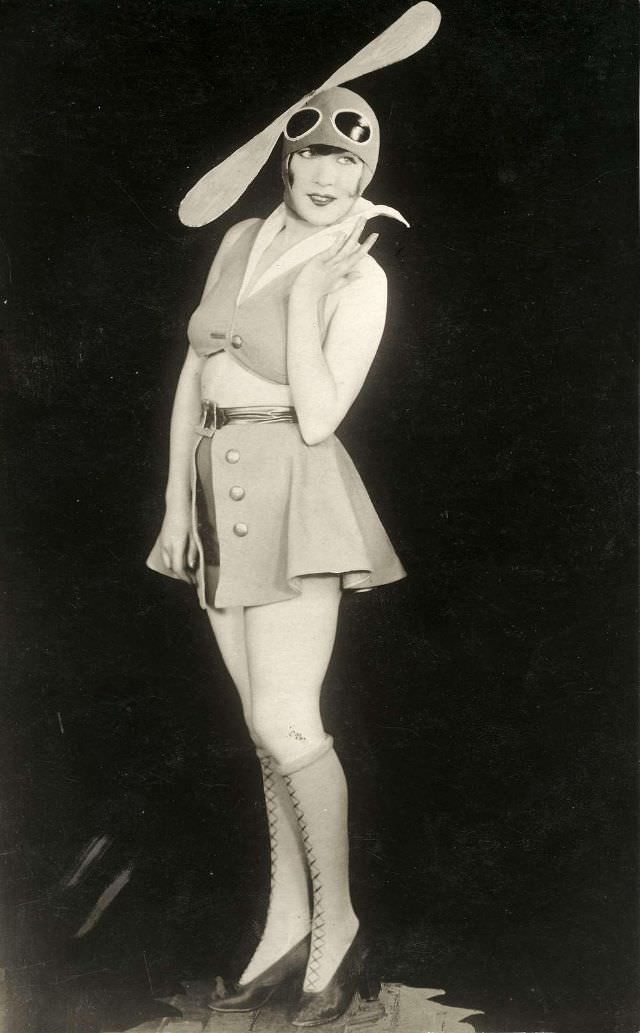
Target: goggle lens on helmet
[353, 126]
[302, 123]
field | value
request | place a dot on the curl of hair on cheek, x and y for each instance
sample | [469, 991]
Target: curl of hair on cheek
[285, 171]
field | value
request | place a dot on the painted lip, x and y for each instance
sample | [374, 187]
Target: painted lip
[321, 199]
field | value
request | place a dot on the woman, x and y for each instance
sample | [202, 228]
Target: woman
[267, 515]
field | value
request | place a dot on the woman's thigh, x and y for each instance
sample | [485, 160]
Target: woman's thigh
[289, 645]
[228, 628]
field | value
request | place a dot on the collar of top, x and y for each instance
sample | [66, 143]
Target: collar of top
[308, 247]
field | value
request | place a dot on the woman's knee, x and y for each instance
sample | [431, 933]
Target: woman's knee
[283, 735]
[267, 729]
[289, 645]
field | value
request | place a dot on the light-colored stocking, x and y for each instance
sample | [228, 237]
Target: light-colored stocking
[318, 791]
[289, 912]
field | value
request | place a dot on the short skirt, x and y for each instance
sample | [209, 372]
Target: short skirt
[269, 509]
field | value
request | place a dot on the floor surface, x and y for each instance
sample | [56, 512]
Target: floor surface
[403, 1008]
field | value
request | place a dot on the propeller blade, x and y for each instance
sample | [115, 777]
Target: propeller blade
[408, 34]
[220, 188]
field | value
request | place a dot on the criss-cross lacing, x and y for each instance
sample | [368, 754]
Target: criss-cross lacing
[318, 933]
[288, 912]
[318, 790]
[271, 801]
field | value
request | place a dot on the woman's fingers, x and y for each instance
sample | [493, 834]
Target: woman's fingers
[368, 244]
[177, 558]
[362, 249]
[180, 554]
[328, 271]
[192, 553]
[344, 245]
[350, 242]
[358, 250]
[332, 249]
[349, 261]
[343, 268]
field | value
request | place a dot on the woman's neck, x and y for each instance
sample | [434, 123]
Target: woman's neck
[296, 229]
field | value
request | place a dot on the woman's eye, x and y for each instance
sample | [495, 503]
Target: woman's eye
[348, 159]
[305, 153]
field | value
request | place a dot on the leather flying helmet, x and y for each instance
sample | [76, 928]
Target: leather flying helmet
[221, 187]
[334, 118]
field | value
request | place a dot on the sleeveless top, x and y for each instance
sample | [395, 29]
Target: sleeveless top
[250, 323]
[252, 330]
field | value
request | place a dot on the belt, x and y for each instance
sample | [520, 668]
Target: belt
[213, 417]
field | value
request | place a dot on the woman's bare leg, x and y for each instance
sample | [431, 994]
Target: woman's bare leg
[228, 628]
[289, 911]
[289, 645]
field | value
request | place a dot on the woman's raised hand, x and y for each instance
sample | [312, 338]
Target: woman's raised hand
[177, 544]
[335, 267]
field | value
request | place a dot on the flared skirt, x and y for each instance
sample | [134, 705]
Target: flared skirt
[269, 509]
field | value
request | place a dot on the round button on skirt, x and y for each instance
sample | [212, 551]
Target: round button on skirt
[269, 510]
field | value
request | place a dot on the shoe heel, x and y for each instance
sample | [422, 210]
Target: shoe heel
[369, 985]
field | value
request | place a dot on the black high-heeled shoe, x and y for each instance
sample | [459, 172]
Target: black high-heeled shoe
[256, 993]
[352, 975]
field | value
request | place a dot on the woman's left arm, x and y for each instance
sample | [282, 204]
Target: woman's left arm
[326, 372]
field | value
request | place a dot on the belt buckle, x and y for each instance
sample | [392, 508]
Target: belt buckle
[205, 430]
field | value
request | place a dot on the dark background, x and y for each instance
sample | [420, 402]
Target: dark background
[485, 708]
